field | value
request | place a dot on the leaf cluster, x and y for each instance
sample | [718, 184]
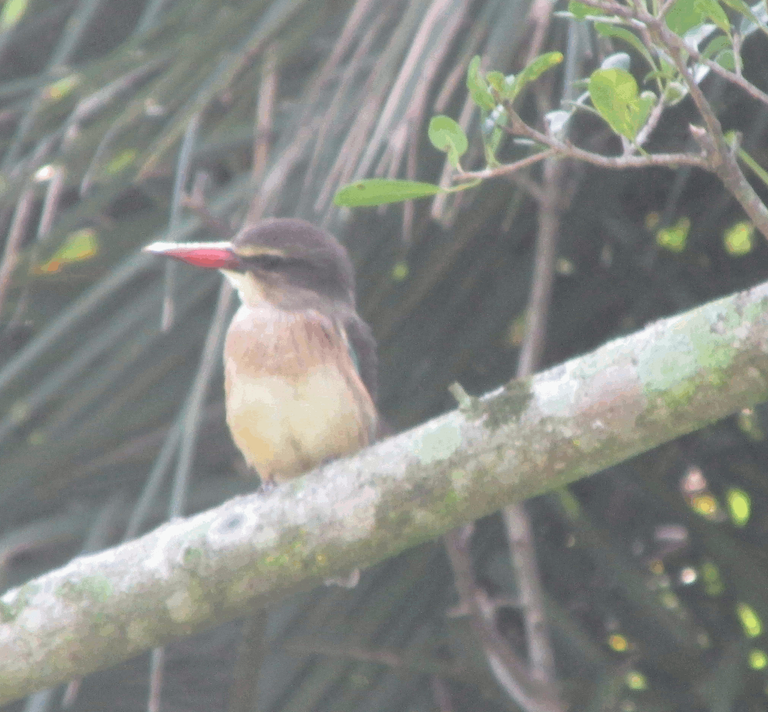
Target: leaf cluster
[704, 38]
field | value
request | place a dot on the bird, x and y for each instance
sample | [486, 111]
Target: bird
[300, 364]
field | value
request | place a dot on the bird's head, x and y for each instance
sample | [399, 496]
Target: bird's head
[285, 261]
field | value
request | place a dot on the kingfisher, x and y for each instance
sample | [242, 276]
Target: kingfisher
[300, 366]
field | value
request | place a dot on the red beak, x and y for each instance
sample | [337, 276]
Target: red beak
[210, 255]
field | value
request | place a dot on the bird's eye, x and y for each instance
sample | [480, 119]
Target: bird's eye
[269, 262]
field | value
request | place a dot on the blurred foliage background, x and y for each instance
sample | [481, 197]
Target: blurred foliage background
[125, 121]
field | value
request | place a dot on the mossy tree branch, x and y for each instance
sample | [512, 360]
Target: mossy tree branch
[531, 436]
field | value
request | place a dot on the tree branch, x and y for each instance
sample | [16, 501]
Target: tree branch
[567, 150]
[530, 436]
[639, 18]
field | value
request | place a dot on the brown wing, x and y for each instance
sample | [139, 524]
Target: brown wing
[363, 352]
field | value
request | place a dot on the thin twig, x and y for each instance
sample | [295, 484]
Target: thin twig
[539, 17]
[568, 150]
[712, 122]
[16, 235]
[441, 694]
[509, 668]
[250, 654]
[50, 206]
[671, 39]
[437, 13]
[156, 669]
[666, 6]
[652, 122]
[523, 553]
[265, 115]
[507, 168]
[192, 416]
[92, 104]
[522, 549]
[329, 120]
[549, 210]
[52, 199]
[183, 166]
[413, 120]
[720, 158]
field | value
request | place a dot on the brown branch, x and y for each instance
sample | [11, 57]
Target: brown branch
[508, 168]
[716, 155]
[727, 170]
[653, 120]
[516, 519]
[16, 234]
[672, 40]
[265, 112]
[568, 150]
[525, 438]
[508, 666]
[712, 122]
[720, 158]
[525, 563]
[551, 204]
[52, 200]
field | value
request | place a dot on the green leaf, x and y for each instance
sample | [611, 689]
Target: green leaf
[13, 11]
[647, 102]
[630, 38]
[741, 7]
[78, 246]
[712, 10]
[718, 44]
[759, 171]
[750, 620]
[62, 88]
[739, 239]
[614, 94]
[478, 87]
[687, 14]
[674, 237]
[727, 60]
[666, 72]
[378, 191]
[683, 16]
[739, 506]
[495, 80]
[579, 10]
[531, 73]
[717, 15]
[674, 93]
[446, 135]
[121, 161]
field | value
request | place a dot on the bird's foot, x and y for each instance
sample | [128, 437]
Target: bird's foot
[266, 486]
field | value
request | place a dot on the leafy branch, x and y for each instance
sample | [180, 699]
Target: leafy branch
[681, 42]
